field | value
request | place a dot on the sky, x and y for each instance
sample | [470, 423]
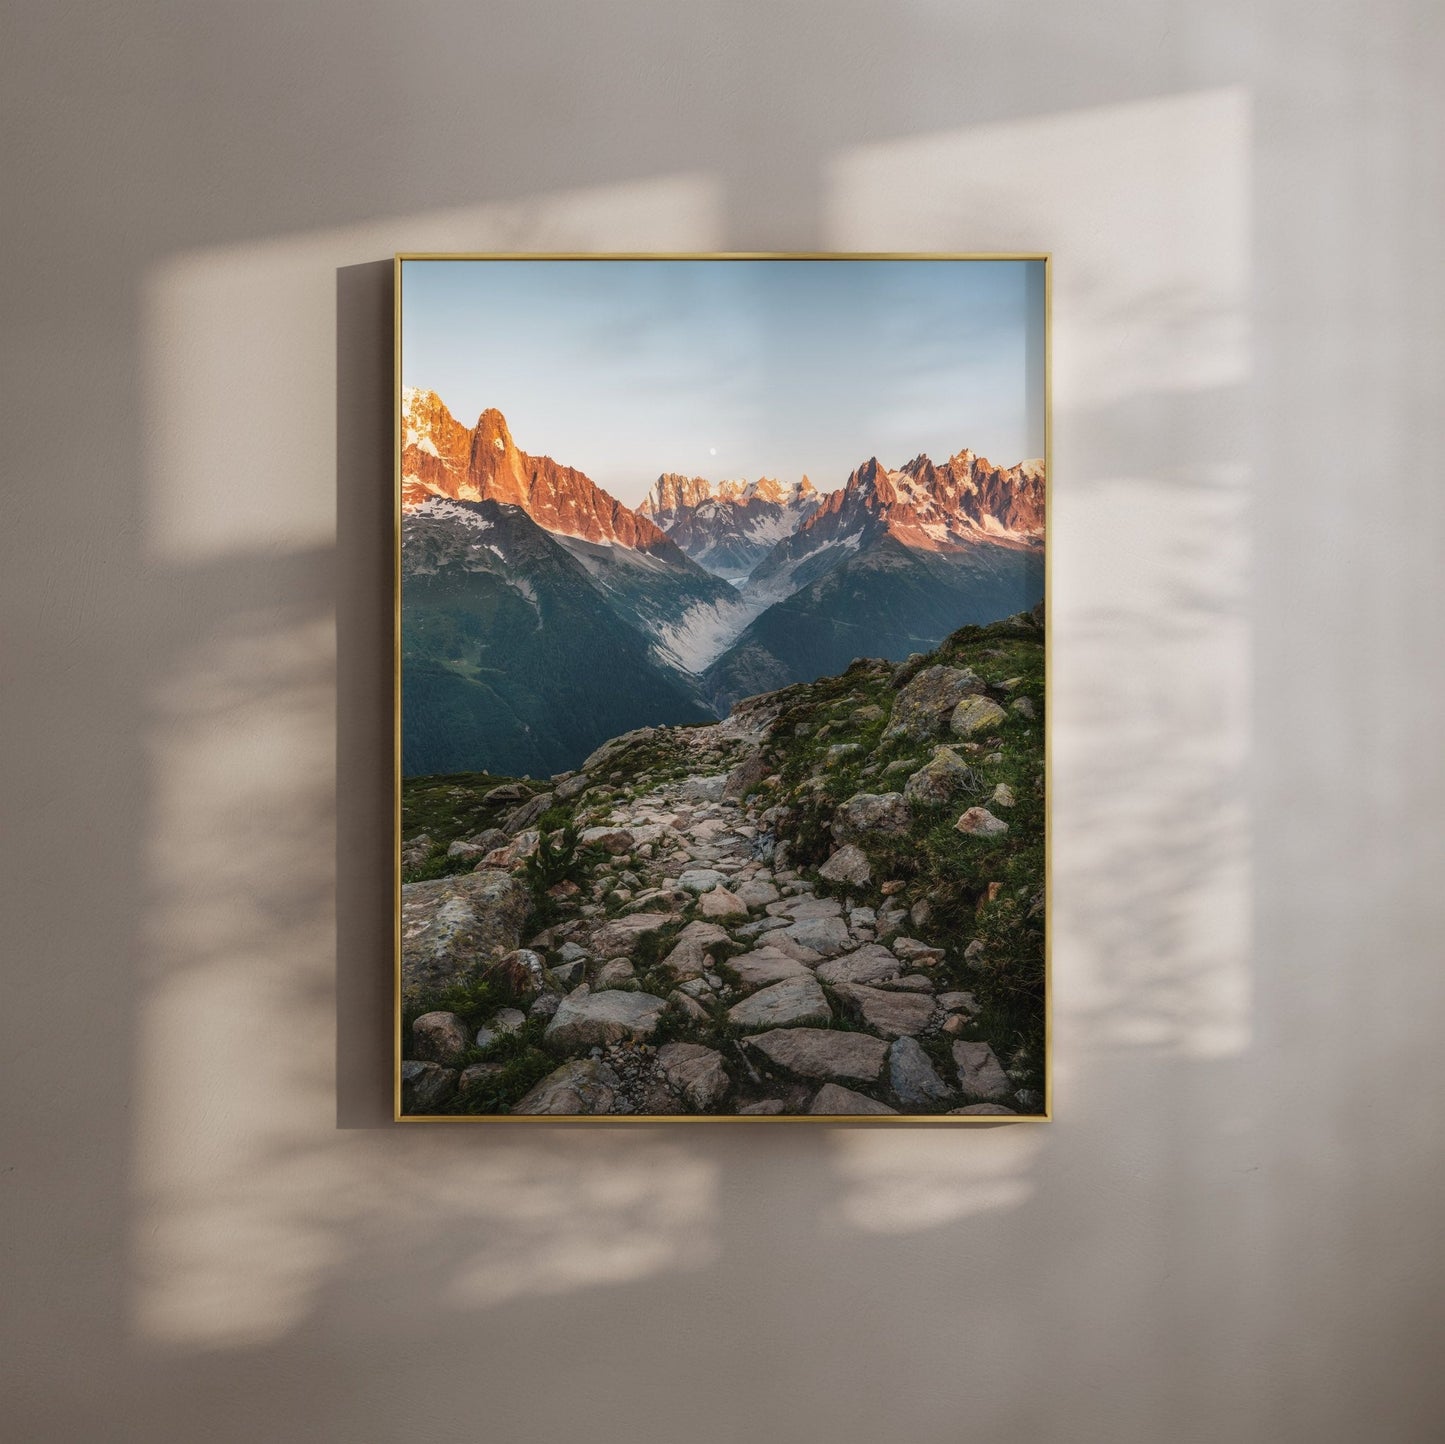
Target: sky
[729, 369]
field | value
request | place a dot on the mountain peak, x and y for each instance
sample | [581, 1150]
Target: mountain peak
[491, 428]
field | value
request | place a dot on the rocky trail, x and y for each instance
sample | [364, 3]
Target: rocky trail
[694, 956]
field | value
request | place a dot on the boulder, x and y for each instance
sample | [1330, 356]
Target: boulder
[919, 954]
[696, 1074]
[612, 749]
[864, 965]
[572, 786]
[615, 840]
[506, 1022]
[523, 973]
[911, 1075]
[518, 850]
[686, 960]
[834, 1101]
[982, 1110]
[701, 879]
[568, 975]
[840, 752]
[958, 1002]
[720, 903]
[980, 822]
[416, 851]
[1003, 795]
[1024, 707]
[867, 813]
[910, 983]
[527, 814]
[618, 973]
[587, 1019]
[618, 938]
[581, 1086]
[439, 1038]
[980, 1074]
[690, 1008]
[452, 925]
[425, 1087]
[784, 1004]
[756, 892]
[939, 780]
[974, 715]
[745, 777]
[467, 851]
[849, 866]
[763, 1108]
[507, 793]
[822, 1053]
[924, 704]
[892, 1014]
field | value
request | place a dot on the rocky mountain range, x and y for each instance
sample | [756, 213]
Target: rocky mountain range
[541, 615]
[731, 528]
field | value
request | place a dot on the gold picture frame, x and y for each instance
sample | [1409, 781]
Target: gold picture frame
[1044, 1113]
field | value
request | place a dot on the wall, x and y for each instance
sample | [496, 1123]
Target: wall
[1231, 1231]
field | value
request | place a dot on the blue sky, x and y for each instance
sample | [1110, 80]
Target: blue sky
[625, 369]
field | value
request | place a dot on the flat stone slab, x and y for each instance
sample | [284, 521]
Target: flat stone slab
[756, 930]
[581, 1086]
[587, 1020]
[701, 879]
[867, 964]
[983, 1110]
[825, 936]
[619, 937]
[792, 1001]
[834, 1101]
[912, 1076]
[694, 1073]
[908, 983]
[757, 892]
[802, 908]
[763, 966]
[823, 1053]
[894, 1015]
[980, 1074]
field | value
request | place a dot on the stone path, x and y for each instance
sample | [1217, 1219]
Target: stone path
[770, 998]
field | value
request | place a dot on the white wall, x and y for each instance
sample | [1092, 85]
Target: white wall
[1231, 1230]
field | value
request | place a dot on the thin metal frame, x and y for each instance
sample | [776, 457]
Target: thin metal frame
[686, 1119]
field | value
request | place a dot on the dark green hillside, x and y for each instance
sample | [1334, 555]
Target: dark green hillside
[887, 600]
[511, 660]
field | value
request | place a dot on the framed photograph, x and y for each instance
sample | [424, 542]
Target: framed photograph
[722, 688]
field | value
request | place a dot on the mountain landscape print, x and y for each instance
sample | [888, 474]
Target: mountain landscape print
[721, 652]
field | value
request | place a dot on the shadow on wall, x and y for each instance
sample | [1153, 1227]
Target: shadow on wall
[284, 1230]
